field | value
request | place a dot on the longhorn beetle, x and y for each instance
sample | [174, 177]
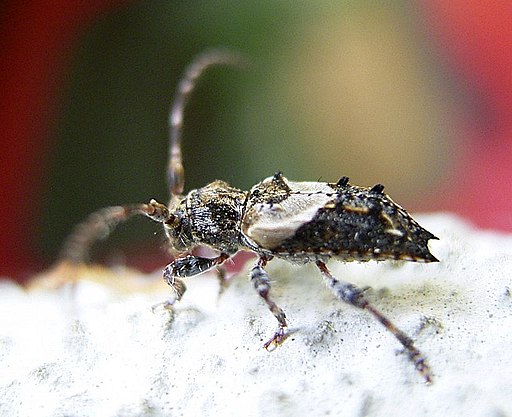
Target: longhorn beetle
[299, 222]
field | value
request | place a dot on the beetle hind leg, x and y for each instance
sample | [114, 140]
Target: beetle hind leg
[261, 283]
[353, 295]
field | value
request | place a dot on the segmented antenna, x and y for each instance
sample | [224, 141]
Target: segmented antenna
[175, 170]
[101, 223]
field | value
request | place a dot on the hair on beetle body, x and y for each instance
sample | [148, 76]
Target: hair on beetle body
[300, 222]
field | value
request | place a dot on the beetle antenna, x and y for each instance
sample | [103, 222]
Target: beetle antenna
[175, 170]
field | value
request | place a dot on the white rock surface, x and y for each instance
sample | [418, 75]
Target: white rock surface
[102, 352]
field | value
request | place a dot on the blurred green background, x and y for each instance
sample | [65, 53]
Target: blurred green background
[335, 88]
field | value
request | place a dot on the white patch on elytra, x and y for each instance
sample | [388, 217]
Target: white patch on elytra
[269, 224]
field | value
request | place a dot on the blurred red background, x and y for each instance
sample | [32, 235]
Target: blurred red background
[36, 38]
[473, 40]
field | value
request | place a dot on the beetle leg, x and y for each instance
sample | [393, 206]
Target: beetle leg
[184, 267]
[261, 282]
[223, 281]
[353, 295]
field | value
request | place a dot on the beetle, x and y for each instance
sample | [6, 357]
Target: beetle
[300, 222]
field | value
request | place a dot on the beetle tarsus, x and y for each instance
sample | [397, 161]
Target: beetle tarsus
[354, 296]
[277, 340]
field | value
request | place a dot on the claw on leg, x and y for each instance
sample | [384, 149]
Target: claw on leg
[167, 305]
[279, 337]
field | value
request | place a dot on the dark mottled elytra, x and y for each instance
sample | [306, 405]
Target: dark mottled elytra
[300, 222]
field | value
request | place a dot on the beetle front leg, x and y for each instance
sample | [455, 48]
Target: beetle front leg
[353, 295]
[261, 282]
[187, 266]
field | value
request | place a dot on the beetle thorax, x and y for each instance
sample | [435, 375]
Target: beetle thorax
[208, 216]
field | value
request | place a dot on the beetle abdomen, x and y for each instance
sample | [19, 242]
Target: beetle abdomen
[361, 225]
[333, 220]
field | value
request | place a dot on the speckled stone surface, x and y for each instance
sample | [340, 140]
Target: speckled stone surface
[100, 350]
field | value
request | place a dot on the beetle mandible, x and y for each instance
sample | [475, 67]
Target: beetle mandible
[300, 222]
